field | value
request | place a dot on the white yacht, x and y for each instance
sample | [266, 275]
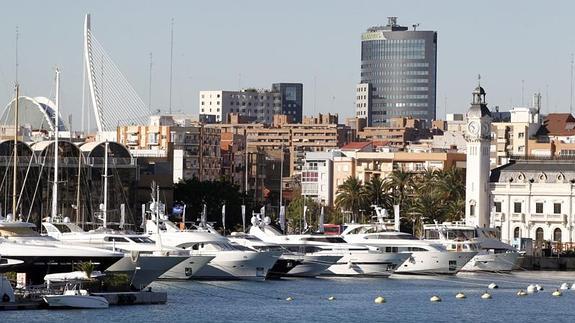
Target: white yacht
[298, 264]
[149, 260]
[493, 255]
[426, 257]
[230, 262]
[40, 255]
[355, 259]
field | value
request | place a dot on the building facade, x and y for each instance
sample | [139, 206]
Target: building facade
[256, 105]
[398, 74]
[535, 199]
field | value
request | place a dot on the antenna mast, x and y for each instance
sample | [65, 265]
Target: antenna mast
[17, 38]
[56, 133]
[15, 166]
[171, 62]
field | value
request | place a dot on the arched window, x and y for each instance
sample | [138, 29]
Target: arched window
[516, 233]
[557, 234]
[539, 234]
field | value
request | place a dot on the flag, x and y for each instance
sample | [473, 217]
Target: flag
[224, 217]
[283, 218]
[244, 217]
[321, 219]
[304, 217]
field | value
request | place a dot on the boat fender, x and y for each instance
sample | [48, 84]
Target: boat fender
[289, 299]
[564, 286]
[460, 295]
[531, 289]
[521, 292]
[557, 293]
[486, 295]
[435, 298]
[492, 286]
[379, 300]
[331, 298]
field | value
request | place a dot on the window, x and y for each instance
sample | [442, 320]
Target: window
[517, 207]
[521, 135]
[539, 207]
[557, 235]
[516, 233]
[472, 210]
[557, 208]
[498, 207]
[539, 234]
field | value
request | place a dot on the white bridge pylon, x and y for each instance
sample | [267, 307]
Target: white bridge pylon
[113, 99]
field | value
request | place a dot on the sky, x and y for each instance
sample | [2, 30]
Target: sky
[518, 47]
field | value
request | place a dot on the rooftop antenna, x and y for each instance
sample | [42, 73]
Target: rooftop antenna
[171, 62]
[415, 27]
[571, 88]
[150, 86]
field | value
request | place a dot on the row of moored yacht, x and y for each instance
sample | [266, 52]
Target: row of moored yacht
[166, 251]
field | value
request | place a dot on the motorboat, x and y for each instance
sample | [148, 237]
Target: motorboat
[73, 295]
[38, 255]
[426, 257]
[229, 262]
[493, 254]
[355, 259]
[298, 264]
[145, 261]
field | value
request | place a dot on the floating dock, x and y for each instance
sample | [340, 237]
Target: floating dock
[115, 299]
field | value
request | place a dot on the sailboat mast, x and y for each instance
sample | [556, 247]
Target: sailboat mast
[56, 134]
[15, 166]
[105, 210]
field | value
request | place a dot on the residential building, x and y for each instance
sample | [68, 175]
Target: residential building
[317, 176]
[398, 131]
[256, 105]
[193, 151]
[398, 74]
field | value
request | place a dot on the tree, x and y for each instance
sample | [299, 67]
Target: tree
[376, 193]
[399, 182]
[351, 196]
[294, 214]
[214, 194]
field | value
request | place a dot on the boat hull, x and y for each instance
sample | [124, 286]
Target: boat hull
[187, 268]
[435, 262]
[367, 264]
[313, 265]
[492, 262]
[144, 269]
[76, 301]
[238, 265]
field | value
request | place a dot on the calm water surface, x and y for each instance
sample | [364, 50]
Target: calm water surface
[407, 300]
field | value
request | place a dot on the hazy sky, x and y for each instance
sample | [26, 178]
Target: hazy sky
[222, 44]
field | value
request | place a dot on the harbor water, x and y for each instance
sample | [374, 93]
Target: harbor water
[407, 299]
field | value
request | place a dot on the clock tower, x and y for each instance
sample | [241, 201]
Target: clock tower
[478, 137]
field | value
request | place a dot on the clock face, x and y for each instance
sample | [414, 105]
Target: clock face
[474, 128]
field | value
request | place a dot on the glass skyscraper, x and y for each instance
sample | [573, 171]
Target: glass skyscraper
[398, 74]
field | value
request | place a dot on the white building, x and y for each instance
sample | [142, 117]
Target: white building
[534, 199]
[260, 105]
[317, 176]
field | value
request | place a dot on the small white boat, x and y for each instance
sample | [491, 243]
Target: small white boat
[74, 297]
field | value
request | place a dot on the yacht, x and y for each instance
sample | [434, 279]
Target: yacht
[298, 264]
[355, 259]
[40, 255]
[229, 262]
[426, 257]
[493, 254]
[149, 260]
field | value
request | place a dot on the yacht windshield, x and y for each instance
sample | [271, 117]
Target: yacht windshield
[325, 239]
[460, 234]
[141, 240]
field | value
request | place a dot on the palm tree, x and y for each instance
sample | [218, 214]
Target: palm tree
[426, 205]
[376, 193]
[399, 182]
[451, 182]
[350, 195]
